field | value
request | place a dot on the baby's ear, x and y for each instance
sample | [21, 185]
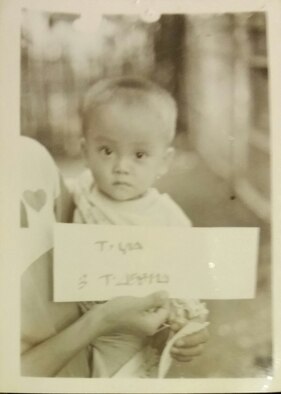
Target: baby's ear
[83, 146]
[167, 160]
[170, 153]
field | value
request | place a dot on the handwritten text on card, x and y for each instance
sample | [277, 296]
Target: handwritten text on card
[100, 262]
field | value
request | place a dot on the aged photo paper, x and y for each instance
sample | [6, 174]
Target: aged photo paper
[140, 196]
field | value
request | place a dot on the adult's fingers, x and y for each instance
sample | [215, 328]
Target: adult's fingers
[177, 325]
[180, 358]
[195, 339]
[151, 321]
[187, 352]
[152, 301]
[160, 316]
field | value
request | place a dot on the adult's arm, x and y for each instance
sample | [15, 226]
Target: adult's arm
[126, 314]
[49, 356]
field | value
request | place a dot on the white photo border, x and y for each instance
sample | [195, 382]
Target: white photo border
[10, 22]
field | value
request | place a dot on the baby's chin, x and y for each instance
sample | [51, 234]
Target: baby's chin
[121, 194]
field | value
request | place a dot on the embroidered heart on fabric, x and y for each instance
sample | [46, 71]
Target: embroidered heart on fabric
[35, 199]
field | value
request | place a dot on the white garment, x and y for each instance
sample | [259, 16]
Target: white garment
[40, 183]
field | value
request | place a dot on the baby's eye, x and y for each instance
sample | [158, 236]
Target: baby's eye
[140, 155]
[106, 150]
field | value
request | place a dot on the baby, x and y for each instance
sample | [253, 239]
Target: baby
[128, 125]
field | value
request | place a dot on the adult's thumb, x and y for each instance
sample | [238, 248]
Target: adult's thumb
[153, 301]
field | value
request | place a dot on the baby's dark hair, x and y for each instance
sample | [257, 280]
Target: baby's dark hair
[130, 91]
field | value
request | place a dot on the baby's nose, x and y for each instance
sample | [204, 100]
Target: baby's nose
[122, 165]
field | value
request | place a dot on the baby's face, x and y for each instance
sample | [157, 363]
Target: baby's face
[126, 151]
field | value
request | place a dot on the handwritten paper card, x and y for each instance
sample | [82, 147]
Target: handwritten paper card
[100, 262]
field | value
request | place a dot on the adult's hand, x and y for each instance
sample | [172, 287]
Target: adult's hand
[138, 316]
[190, 346]
[133, 315]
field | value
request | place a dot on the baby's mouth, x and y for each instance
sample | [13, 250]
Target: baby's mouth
[121, 183]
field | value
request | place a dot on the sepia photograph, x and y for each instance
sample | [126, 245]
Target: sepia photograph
[140, 209]
[145, 120]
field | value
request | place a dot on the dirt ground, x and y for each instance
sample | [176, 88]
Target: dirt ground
[240, 331]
